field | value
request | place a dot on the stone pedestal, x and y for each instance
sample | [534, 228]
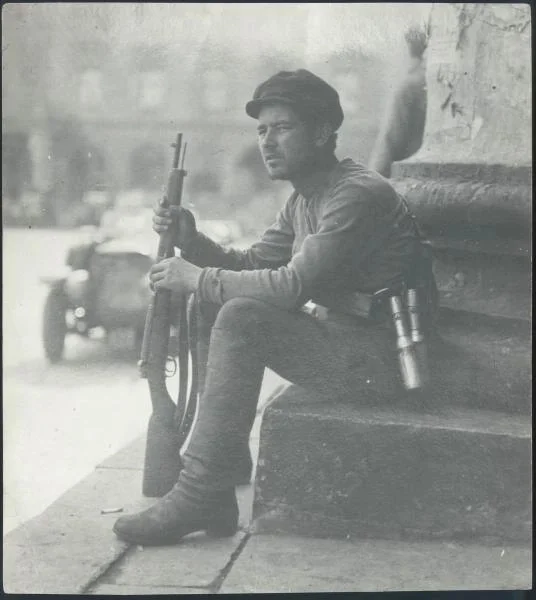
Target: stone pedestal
[470, 183]
[479, 85]
[459, 464]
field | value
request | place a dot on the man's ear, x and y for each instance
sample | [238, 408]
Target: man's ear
[322, 134]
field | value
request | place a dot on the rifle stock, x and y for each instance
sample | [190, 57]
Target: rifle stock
[166, 432]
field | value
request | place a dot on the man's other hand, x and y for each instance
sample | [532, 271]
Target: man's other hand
[175, 274]
[180, 219]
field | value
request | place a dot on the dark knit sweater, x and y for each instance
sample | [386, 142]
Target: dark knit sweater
[345, 230]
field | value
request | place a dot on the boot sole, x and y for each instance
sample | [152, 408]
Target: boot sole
[218, 530]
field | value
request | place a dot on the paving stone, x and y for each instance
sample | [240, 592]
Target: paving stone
[196, 561]
[129, 457]
[71, 542]
[282, 564]
[107, 589]
[55, 569]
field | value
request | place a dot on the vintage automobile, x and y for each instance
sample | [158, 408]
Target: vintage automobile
[104, 283]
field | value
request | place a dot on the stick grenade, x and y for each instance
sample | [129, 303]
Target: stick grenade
[417, 334]
[409, 368]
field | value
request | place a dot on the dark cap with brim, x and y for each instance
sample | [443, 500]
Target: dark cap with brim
[302, 90]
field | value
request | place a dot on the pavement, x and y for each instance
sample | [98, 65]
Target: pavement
[70, 549]
[57, 414]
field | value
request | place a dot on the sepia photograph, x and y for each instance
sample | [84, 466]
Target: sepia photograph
[267, 298]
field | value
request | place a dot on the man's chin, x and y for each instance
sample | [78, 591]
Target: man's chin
[277, 174]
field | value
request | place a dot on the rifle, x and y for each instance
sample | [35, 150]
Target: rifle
[170, 422]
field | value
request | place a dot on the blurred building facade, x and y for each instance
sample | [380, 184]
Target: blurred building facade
[93, 94]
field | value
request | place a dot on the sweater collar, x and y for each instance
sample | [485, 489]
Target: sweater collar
[315, 179]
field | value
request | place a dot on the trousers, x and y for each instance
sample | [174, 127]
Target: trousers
[338, 357]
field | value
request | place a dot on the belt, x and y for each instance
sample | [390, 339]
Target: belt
[356, 304]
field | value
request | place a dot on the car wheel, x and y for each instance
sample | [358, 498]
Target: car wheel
[54, 325]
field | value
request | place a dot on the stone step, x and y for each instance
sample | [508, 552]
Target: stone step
[332, 469]
[495, 284]
[482, 362]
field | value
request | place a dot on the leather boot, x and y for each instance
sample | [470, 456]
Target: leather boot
[175, 516]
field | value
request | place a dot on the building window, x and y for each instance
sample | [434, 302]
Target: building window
[152, 88]
[91, 88]
[215, 91]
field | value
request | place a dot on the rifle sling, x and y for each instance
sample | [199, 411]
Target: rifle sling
[189, 413]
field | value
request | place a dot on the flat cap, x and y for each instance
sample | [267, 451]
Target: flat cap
[301, 89]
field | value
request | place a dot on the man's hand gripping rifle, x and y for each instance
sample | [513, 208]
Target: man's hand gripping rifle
[170, 422]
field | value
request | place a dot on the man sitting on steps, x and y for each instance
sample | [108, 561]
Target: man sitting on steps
[343, 234]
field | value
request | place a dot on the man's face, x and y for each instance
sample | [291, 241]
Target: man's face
[286, 143]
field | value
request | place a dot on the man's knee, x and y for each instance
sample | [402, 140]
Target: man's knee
[242, 314]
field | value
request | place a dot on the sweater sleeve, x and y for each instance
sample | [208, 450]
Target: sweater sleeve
[271, 251]
[347, 223]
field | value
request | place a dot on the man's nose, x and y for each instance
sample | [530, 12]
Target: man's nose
[268, 140]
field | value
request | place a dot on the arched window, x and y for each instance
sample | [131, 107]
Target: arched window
[149, 66]
[97, 175]
[16, 165]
